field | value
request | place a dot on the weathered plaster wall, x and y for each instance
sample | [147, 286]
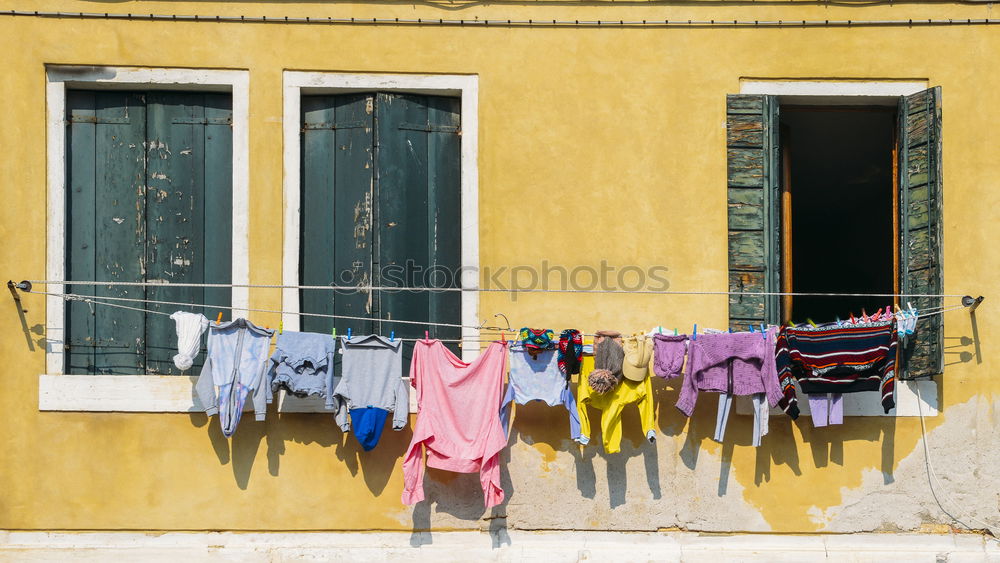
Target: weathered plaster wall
[623, 131]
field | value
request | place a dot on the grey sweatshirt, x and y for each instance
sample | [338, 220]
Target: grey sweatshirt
[372, 376]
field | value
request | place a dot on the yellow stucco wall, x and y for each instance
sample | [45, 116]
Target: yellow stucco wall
[623, 132]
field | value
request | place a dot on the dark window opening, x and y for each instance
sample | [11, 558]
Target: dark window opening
[839, 174]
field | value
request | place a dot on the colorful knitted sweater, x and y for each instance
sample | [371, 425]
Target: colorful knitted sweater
[844, 359]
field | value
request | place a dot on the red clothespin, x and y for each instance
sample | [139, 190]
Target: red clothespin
[503, 337]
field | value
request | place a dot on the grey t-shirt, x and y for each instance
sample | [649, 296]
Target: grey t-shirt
[372, 376]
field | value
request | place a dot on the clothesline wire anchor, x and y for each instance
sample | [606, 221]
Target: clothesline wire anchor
[13, 287]
[972, 302]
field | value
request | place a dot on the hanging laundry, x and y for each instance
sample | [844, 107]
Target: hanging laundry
[535, 340]
[847, 359]
[234, 368]
[612, 404]
[638, 353]
[827, 409]
[302, 364]
[731, 364]
[538, 378]
[608, 391]
[570, 352]
[371, 386]
[459, 421]
[608, 359]
[668, 354]
[190, 327]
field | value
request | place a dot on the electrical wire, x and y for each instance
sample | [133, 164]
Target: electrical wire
[932, 477]
[502, 22]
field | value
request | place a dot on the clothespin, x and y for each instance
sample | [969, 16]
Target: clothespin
[853, 321]
[218, 320]
[730, 330]
[763, 331]
[660, 329]
[348, 333]
[427, 336]
[694, 333]
[281, 327]
[751, 328]
[810, 321]
[392, 336]
[864, 315]
[839, 322]
[675, 332]
[333, 333]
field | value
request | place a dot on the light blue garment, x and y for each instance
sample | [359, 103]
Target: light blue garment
[372, 376]
[234, 368]
[538, 379]
[302, 364]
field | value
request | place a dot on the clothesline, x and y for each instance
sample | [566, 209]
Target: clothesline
[99, 300]
[485, 290]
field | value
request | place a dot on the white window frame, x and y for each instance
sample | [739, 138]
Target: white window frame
[141, 393]
[852, 92]
[299, 83]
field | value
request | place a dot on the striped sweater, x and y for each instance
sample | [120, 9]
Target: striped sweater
[846, 359]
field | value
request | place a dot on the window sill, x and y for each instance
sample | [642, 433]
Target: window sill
[146, 393]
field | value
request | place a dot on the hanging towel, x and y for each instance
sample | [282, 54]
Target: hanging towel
[190, 327]
[459, 421]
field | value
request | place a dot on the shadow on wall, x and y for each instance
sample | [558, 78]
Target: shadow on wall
[534, 424]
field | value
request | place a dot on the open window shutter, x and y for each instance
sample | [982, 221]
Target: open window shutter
[920, 227]
[753, 181]
[336, 209]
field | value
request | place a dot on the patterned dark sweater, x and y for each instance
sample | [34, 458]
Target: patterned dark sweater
[846, 359]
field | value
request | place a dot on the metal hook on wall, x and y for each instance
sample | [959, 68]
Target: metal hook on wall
[505, 320]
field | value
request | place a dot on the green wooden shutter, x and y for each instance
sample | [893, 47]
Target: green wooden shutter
[188, 212]
[754, 208]
[920, 227]
[381, 205]
[149, 198]
[105, 229]
[338, 172]
[419, 210]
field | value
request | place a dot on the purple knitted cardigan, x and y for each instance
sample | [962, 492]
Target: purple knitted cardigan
[753, 367]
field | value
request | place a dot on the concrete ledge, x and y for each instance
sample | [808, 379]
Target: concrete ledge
[499, 545]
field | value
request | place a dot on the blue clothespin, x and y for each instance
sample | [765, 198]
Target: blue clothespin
[763, 331]
[694, 333]
[675, 332]
[392, 336]
[751, 328]
[348, 334]
[730, 330]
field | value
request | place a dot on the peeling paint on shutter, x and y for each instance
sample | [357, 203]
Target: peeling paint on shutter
[753, 208]
[920, 227]
[338, 173]
[149, 198]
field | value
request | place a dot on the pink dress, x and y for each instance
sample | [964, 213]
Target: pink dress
[459, 420]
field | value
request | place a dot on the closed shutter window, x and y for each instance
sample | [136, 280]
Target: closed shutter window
[381, 206]
[149, 199]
